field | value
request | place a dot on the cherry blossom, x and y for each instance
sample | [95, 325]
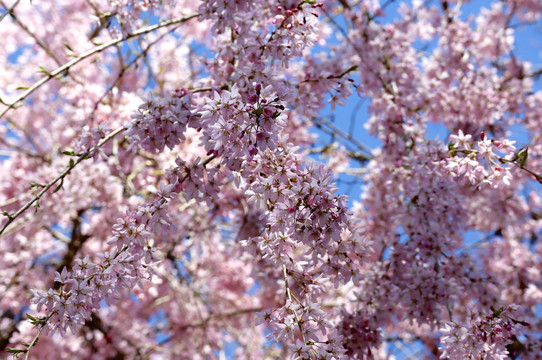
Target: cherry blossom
[173, 180]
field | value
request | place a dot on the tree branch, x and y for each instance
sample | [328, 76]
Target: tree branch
[89, 53]
[60, 177]
[9, 11]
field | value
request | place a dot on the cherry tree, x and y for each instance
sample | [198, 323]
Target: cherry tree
[164, 194]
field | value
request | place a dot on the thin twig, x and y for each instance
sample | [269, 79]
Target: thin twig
[9, 11]
[320, 120]
[289, 297]
[34, 341]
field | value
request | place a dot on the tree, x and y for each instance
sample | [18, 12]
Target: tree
[164, 195]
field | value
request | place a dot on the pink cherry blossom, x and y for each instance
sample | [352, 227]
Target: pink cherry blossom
[231, 211]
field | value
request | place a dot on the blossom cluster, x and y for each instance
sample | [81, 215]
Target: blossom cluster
[360, 332]
[238, 129]
[303, 222]
[80, 291]
[160, 121]
[479, 162]
[485, 338]
[88, 140]
[311, 323]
